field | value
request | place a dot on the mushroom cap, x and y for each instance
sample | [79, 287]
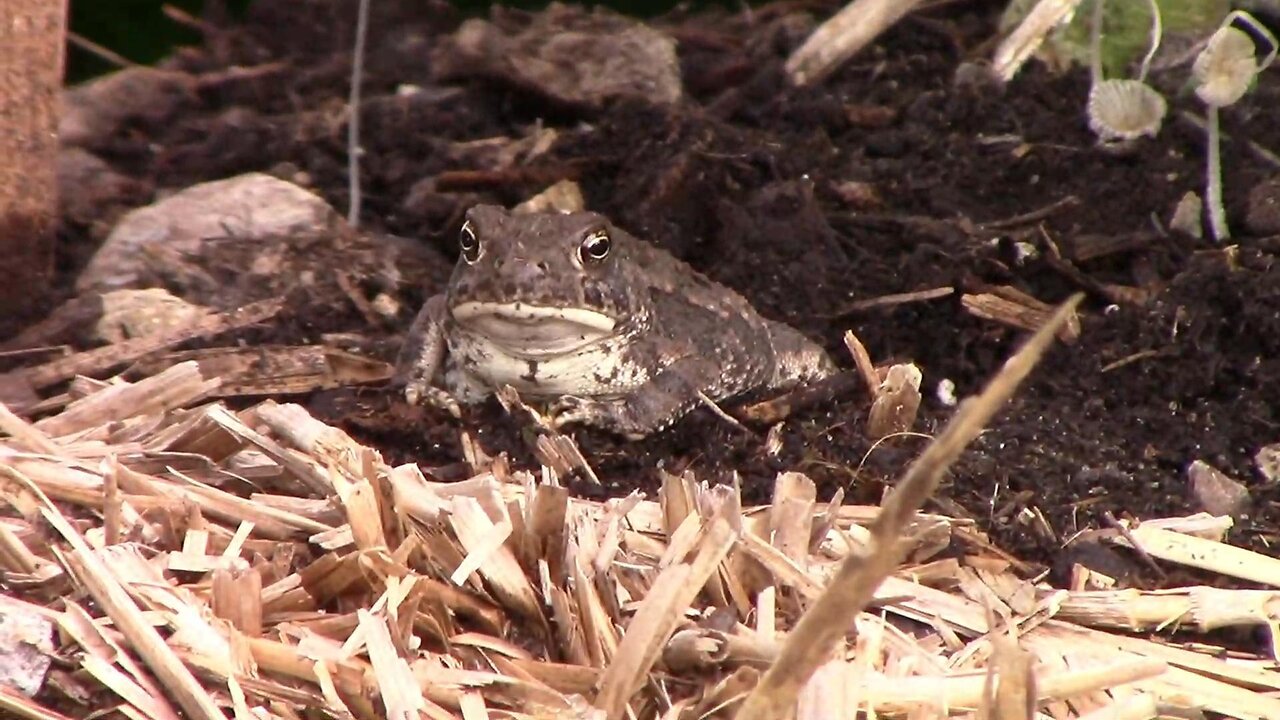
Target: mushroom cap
[1226, 67]
[1125, 109]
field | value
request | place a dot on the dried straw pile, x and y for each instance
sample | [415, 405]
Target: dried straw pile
[198, 561]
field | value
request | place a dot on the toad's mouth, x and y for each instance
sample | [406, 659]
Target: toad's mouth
[533, 330]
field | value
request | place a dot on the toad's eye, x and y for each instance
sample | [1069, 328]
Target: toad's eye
[595, 247]
[469, 243]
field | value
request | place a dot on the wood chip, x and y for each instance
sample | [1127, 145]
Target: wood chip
[1010, 306]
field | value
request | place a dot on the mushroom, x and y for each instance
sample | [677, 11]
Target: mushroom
[1224, 71]
[1120, 109]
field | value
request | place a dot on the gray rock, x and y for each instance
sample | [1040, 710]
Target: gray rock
[159, 240]
[1214, 492]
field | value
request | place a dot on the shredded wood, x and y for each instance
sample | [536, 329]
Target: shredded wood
[200, 562]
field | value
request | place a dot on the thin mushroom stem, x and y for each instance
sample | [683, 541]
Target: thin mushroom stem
[1095, 42]
[1213, 178]
[1157, 32]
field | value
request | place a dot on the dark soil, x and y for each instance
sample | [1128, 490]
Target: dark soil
[750, 181]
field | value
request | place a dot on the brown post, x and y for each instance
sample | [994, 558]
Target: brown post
[32, 38]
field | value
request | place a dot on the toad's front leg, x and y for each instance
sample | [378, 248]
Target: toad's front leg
[421, 357]
[652, 407]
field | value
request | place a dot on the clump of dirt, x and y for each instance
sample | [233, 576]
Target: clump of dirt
[895, 175]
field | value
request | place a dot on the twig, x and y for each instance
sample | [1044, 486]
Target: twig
[99, 51]
[182, 17]
[859, 574]
[719, 411]
[239, 74]
[1031, 217]
[353, 121]
[1143, 355]
[1053, 258]
[896, 299]
[1137, 546]
[1009, 306]
[43, 349]
[22, 432]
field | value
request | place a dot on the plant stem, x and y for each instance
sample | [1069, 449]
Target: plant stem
[353, 121]
[1095, 42]
[1153, 45]
[1213, 177]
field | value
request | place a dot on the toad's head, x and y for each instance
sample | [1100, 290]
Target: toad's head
[542, 284]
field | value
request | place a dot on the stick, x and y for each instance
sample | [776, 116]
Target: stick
[100, 51]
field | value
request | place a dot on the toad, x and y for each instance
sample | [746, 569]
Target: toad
[612, 331]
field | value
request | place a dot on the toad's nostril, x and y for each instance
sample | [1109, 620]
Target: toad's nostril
[526, 273]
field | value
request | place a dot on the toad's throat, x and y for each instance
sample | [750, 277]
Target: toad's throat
[534, 331]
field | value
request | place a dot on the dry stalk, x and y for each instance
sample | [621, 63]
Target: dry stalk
[1208, 555]
[1206, 608]
[1018, 47]
[854, 584]
[842, 36]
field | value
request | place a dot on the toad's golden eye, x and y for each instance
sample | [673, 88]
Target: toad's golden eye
[595, 247]
[469, 243]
